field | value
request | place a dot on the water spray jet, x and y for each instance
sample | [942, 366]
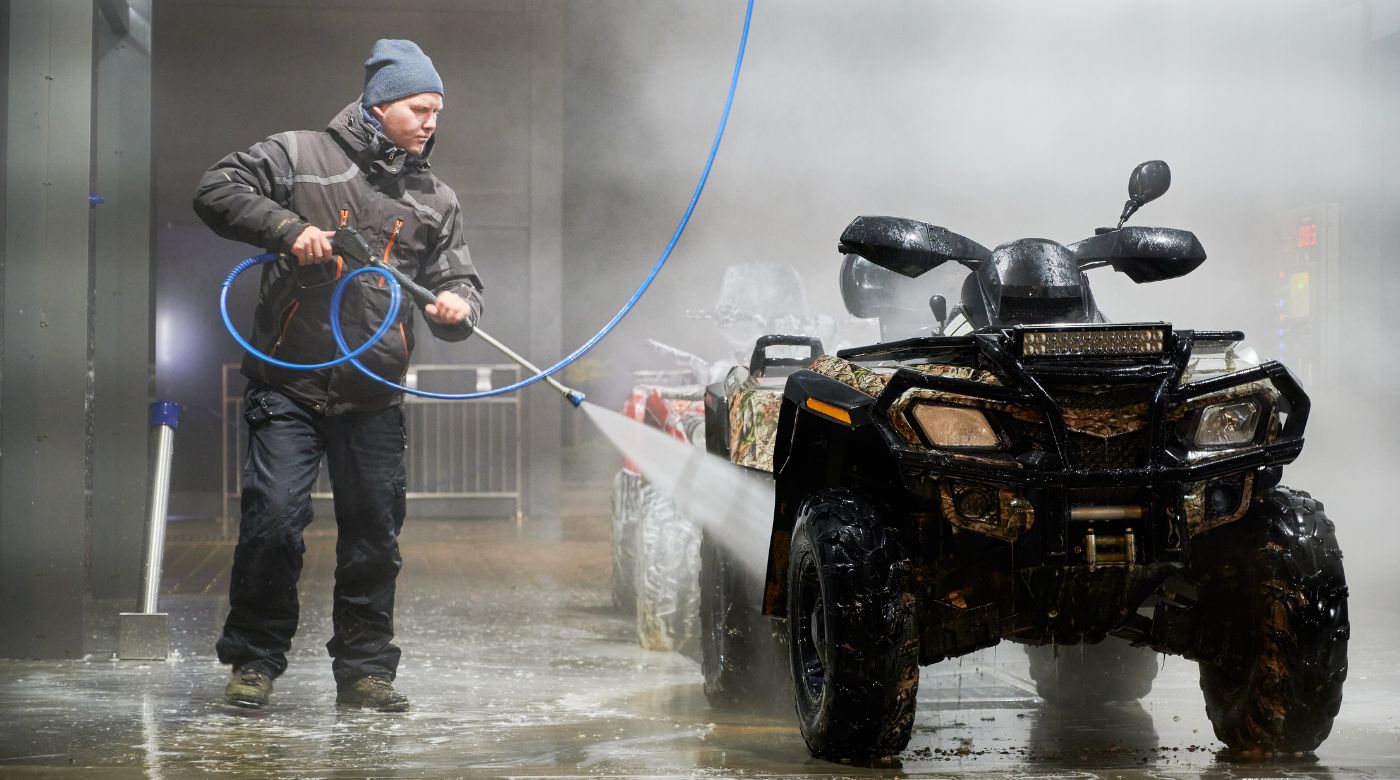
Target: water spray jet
[732, 505]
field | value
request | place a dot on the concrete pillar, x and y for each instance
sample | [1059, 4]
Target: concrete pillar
[122, 300]
[75, 356]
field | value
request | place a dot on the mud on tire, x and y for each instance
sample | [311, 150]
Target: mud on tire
[853, 643]
[1111, 670]
[1274, 580]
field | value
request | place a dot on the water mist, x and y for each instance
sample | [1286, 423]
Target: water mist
[733, 505]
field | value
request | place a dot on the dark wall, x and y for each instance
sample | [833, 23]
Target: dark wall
[4, 142]
[121, 306]
[4, 129]
[4, 180]
[46, 385]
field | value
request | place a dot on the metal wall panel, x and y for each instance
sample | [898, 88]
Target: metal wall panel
[46, 385]
[123, 342]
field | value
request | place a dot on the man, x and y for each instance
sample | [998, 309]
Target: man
[369, 170]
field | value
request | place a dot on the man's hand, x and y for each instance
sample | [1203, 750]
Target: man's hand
[449, 309]
[313, 245]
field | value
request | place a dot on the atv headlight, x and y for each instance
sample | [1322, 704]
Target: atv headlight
[1091, 340]
[955, 427]
[1223, 425]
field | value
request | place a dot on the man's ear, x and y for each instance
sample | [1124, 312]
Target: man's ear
[378, 112]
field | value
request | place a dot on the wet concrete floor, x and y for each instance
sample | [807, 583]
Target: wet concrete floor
[518, 666]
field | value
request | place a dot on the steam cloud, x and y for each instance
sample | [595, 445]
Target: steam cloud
[1001, 120]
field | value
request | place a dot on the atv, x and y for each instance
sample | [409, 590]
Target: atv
[1045, 477]
[655, 546]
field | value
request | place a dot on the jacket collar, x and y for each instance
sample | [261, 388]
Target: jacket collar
[370, 147]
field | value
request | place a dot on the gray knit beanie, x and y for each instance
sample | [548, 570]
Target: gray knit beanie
[396, 69]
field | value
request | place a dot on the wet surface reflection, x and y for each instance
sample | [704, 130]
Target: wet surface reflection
[517, 666]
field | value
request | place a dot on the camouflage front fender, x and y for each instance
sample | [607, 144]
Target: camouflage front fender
[823, 427]
[753, 426]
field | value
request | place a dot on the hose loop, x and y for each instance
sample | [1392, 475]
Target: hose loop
[346, 352]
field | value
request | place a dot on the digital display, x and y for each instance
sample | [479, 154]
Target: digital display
[1307, 235]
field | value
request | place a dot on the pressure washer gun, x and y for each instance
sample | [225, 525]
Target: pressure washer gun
[348, 243]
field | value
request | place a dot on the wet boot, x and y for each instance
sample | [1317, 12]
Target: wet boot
[250, 687]
[371, 692]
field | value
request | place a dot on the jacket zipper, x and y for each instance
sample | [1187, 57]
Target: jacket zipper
[340, 261]
[389, 247]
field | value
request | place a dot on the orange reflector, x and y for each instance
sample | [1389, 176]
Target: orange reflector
[827, 409]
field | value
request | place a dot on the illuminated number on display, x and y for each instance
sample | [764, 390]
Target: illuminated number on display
[1307, 236]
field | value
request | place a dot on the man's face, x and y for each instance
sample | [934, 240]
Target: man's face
[411, 121]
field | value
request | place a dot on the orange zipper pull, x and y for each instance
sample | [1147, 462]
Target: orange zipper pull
[340, 261]
[389, 247]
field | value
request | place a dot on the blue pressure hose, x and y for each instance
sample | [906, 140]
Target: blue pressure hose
[347, 354]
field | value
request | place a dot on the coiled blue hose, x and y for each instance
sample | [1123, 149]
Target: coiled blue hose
[350, 355]
[347, 353]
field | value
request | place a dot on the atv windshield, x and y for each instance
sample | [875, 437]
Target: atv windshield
[1032, 281]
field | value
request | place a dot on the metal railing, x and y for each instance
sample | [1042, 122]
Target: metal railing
[464, 456]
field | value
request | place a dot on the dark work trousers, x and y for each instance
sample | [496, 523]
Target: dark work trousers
[364, 454]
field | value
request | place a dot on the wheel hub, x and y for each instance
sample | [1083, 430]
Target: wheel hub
[811, 635]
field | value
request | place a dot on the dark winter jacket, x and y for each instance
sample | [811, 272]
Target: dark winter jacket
[350, 173]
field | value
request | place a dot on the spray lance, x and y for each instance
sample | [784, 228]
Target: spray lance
[348, 243]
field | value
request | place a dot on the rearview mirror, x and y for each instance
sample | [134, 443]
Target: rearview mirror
[1149, 182]
[939, 305]
[864, 287]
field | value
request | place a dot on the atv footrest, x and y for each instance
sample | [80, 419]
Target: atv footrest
[1177, 630]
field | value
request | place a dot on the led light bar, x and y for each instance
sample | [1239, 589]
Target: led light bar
[1092, 341]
